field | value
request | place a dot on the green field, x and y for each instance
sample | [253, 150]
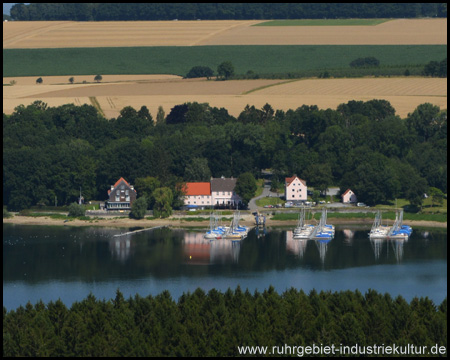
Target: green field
[178, 60]
[324, 22]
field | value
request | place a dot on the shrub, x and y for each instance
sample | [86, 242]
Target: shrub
[200, 71]
[139, 208]
[76, 210]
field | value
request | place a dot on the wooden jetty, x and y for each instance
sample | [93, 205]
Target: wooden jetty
[140, 230]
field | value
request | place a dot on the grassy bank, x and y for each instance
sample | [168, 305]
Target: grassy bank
[389, 215]
[178, 60]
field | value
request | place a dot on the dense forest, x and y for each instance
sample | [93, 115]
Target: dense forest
[49, 153]
[222, 11]
[216, 324]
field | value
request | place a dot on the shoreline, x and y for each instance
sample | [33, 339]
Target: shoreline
[246, 220]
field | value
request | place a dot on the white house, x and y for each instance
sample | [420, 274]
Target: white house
[349, 197]
[222, 192]
[295, 189]
[198, 194]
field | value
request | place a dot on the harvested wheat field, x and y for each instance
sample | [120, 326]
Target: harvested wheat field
[67, 34]
[405, 94]
[48, 34]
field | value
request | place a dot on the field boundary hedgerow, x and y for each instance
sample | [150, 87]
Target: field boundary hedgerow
[178, 60]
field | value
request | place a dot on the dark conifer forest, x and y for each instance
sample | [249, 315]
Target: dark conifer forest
[220, 324]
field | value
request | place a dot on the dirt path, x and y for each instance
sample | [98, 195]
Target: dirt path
[176, 222]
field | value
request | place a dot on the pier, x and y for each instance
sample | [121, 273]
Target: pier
[140, 230]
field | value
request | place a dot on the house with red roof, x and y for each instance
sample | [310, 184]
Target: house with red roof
[349, 197]
[295, 189]
[197, 194]
[121, 195]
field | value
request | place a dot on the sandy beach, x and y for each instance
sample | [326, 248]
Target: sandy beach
[179, 222]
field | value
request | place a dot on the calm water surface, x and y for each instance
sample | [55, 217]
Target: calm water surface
[48, 263]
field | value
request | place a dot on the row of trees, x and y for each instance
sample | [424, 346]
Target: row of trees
[49, 153]
[222, 11]
[224, 71]
[367, 66]
[216, 324]
[436, 69]
[97, 78]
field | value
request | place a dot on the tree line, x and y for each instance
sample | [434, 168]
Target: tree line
[216, 323]
[222, 11]
[50, 152]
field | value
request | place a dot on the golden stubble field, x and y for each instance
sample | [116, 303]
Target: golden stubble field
[116, 92]
[57, 34]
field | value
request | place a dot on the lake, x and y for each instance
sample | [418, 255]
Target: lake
[68, 263]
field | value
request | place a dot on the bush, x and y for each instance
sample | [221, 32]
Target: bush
[76, 210]
[6, 213]
[139, 208]
[200, 71]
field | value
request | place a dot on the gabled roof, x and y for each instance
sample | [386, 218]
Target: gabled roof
[223, 184]
[118, 182]
[289, 180]
[346, 192]
[197, 188]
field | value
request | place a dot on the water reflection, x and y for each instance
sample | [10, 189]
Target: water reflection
[349, 235]
[298, 246]
[396, 244]
[295, 246]
[200, 251]
[35, 254]
[121, 247]
[322, 245]
[49, 262]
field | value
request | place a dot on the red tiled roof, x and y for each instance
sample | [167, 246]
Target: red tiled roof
[345, 193]
[292, 178]
[198, 188]
[118, 182]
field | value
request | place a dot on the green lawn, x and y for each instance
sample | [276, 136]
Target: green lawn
[365, 215]
[324, 22]
[269, 201]
[427, 206]
[259, 190]
[178, 60]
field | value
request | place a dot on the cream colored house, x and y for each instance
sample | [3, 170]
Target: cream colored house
[349, 197]
[295, 189]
